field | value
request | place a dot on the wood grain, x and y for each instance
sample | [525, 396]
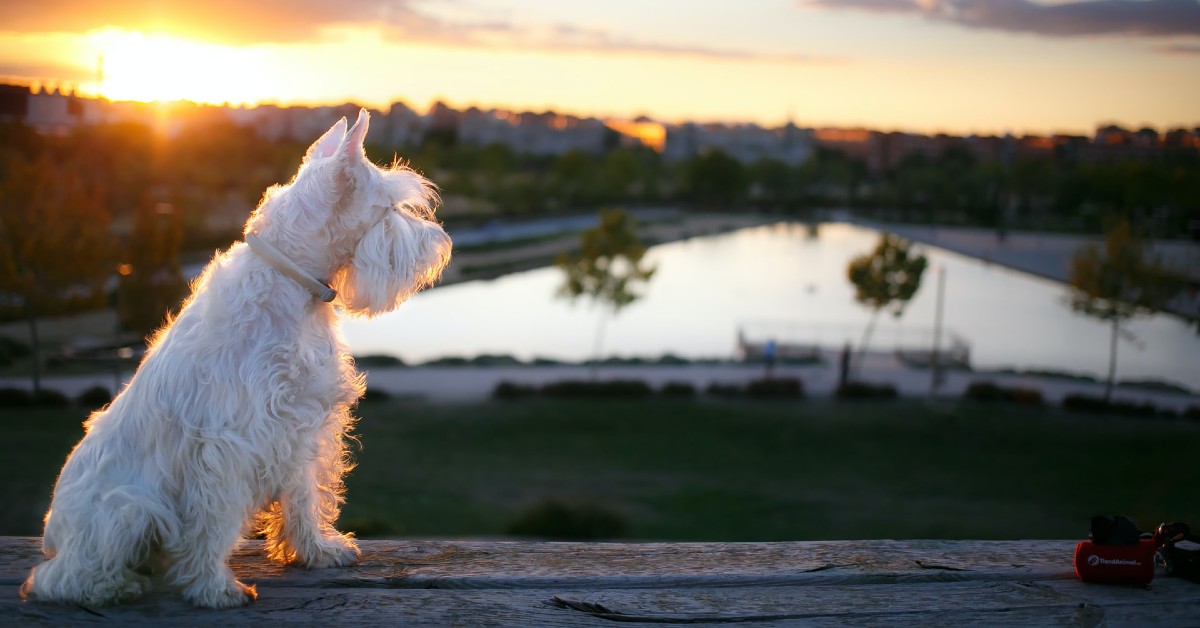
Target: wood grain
[523, 583]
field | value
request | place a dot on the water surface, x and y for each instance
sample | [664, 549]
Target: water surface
[780, 281]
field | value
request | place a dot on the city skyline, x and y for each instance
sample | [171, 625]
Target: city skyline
[955, 66]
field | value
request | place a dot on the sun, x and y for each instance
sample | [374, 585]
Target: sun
[164, 67]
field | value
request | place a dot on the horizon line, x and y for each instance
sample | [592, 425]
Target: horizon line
[37, 86]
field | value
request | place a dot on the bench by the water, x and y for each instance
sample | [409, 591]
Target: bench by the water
[480, 583]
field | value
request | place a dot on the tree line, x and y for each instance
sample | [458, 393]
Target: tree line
[218, 167]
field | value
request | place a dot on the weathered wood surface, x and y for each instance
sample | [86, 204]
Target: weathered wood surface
[484, 583]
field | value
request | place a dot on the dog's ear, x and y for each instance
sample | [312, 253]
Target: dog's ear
[352, 148]
[327, 144]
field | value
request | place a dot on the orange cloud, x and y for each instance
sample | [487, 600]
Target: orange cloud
[240, 22]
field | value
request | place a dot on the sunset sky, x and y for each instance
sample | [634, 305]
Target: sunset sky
[959, 66]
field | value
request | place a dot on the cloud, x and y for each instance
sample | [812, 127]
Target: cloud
[569, 38]
[291, 21]
[228, 21]
[1180, 49]
[1142, 18]
[36, 71]
[877, 6]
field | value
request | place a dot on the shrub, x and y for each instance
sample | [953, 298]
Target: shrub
[511, 390]
[448, 361]
[678, 389]
[94, 397]
[617, 388]
[50, 399]
[488, 359]
[1025, 396]
[15, 398]
[866, 390]
[1192, 412]
[984, 391]
[989, 391]
[553, 519]
[720, 389]
[775, 388]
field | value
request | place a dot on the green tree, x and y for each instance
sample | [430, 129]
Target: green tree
[152, 282]
[715, 179]
[775, 183]
[54, 243]
[606, 268]
[887, 277]
[1119, 283]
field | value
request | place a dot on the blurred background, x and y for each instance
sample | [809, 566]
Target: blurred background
[790, 269]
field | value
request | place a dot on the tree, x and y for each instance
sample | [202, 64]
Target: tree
[887, 277]
[606, 267]
[1119, 283]
[715, 179]
[152, 280]
[54, 243]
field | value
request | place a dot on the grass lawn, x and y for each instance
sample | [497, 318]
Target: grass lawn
[717, 470]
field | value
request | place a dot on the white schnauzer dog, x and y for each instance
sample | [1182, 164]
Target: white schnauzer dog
[237, 420]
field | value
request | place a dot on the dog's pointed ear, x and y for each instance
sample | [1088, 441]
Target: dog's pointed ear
[356, 136]
[327, 144]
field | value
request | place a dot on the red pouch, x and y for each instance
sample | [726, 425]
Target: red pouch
[1115, 564]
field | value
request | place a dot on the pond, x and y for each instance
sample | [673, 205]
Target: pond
[785, 282]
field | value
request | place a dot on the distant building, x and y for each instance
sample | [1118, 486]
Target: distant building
[546, 133]
[745, 142]
[52, 111]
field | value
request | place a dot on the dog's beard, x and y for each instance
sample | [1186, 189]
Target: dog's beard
[396, 258]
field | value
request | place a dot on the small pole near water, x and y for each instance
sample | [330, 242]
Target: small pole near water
[935, 361]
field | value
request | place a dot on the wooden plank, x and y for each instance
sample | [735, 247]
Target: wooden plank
[523, 583]
[525, 564]
[960, 603]
[900, 605]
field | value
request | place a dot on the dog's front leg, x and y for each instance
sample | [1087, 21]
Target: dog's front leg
[214, 506]
[308, 510]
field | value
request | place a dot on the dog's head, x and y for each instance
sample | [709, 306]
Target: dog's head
[371, 230]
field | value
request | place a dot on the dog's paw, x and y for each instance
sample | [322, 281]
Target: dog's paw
[227, 595]
[132, 586]
[334, 552]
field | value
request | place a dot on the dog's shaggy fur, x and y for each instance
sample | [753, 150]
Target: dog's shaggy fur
[237, 419]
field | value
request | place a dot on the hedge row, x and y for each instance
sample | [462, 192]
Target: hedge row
[990, 391]
[1087, 404]
[1098, 405]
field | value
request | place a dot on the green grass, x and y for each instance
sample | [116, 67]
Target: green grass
[734, 471]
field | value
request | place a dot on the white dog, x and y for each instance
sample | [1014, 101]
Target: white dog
[238, 417]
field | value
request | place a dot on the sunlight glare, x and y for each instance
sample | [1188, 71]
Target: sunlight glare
[161, 67]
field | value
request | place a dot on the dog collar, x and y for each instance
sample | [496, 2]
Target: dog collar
[285, 265]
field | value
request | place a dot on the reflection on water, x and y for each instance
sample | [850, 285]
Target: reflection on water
[777, 277]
